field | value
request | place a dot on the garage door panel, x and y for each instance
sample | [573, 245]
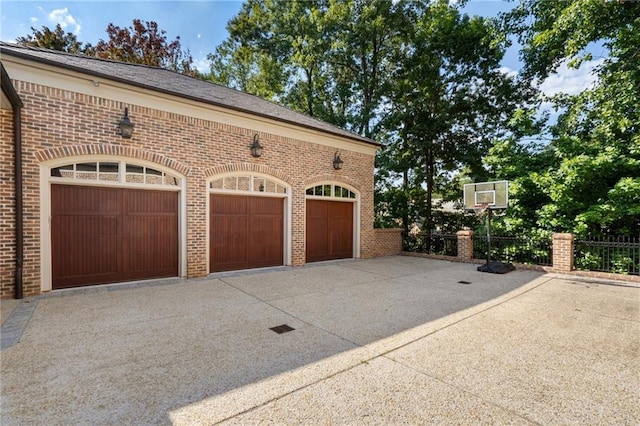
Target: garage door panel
[79, 258]
[228, 233]
[157, 202]
[317, 242]
[264, 206]
[317, 209]
[95, 239]
[245, 232]
[266, 242]
[341, 239]
[228, 247]
[152, 235]
[85, 201]
[329, 230]
[149, 250]
[341, 229]
[228, 204]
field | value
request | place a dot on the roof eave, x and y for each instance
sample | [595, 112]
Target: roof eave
[356, 138]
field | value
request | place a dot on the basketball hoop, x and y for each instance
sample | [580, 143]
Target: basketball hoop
[481, 209]
[489, 198]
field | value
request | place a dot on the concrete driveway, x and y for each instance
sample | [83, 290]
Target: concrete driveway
[396, 340]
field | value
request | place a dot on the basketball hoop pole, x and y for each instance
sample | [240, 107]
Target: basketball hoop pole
[488, 236]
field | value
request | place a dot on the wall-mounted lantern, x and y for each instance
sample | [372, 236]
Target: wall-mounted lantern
[256, 148]
[337, 161]
[125, 125]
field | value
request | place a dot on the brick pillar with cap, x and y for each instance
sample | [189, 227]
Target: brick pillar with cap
[563, 252]
[465, 245]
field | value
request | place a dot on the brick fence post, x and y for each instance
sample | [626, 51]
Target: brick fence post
[465, 245]
[563, 252]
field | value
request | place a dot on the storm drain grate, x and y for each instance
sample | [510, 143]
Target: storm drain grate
[464, 282]
[284, 328]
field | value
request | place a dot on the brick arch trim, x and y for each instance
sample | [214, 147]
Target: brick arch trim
[115, 150]
[247, 167]
[331, 178]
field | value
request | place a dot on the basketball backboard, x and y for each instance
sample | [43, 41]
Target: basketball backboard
[494, 194]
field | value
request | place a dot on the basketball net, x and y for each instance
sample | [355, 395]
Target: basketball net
[481, 209]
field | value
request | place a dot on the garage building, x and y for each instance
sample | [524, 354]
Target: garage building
[128, 172]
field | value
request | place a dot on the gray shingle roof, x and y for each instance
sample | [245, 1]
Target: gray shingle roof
[165, 81]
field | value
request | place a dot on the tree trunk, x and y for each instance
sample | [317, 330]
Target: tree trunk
[405, 212]
[428, 217]
[309, 73]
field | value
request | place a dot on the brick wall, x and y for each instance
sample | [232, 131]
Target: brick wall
[58, 123]
[388, 241]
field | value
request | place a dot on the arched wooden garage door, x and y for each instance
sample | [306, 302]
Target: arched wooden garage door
[329, 223]
[105, 235]
[245, 232]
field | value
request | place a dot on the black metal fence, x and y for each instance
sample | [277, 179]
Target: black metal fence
[528, 250]
[618, 255]
[442, 244]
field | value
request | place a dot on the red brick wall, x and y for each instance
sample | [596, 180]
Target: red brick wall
[388, 241]
[57, 123]
[7, 205]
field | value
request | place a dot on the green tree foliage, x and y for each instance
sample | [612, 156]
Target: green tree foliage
[144, 43]
[449, 102]
[326, 58]
[55, 39]
[586, 180]
[274, 50]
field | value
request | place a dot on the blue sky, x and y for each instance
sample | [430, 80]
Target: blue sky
[201, 26]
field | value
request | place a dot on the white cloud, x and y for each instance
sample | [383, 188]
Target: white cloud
[65, 19]
[508, 72]
[201, 64]
[569, 80]
[33, 20]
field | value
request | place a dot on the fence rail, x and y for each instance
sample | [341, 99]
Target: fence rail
[532, 251]
[618, 255]
[442, 244]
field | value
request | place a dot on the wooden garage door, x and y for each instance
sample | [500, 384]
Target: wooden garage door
[245, 232]
[107, 235]
[329, 230]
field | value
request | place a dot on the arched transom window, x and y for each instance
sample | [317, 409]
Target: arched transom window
[247, 183]
[330, 190]
[115, 171]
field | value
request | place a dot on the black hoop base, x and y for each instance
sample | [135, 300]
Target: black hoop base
[496, 267]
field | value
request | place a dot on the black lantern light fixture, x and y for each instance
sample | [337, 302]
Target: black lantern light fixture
[337, 161]
[256, 148]
[125, 125]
